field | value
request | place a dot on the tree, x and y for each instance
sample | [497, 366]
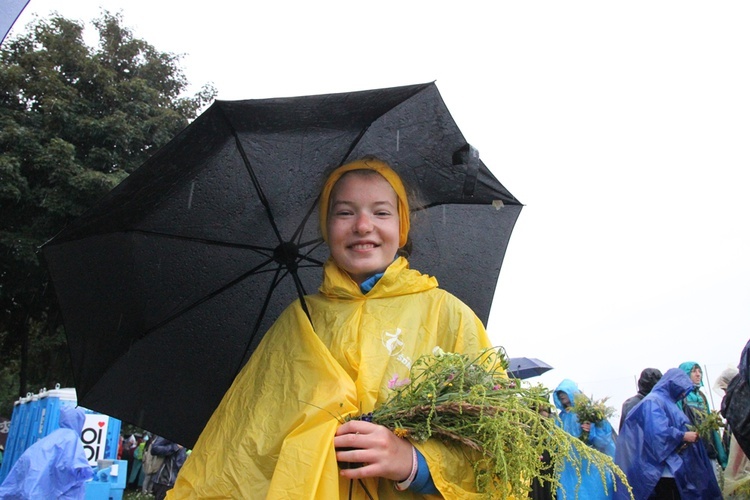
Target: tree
[74, 122]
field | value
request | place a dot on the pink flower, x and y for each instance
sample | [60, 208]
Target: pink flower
[496, 387]
[394, 383]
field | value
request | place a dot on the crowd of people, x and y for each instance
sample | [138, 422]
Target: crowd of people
[659, 453]
[654, 446]
[660, 449]
[658, 446]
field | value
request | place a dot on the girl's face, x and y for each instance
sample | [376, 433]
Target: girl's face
[363, 224]
[564, 399]
[696, 375]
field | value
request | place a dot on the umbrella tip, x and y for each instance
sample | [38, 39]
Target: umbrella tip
[465, 154]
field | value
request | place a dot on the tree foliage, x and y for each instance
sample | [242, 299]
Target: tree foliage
[75, 120]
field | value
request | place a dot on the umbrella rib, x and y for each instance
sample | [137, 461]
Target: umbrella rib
[253, 177]
[317, 242]
[227, 244]
[259, 319]
[301, 292]
[298, 232]
[315, 245]
[203, 299]
[276, 280]
[303, 223]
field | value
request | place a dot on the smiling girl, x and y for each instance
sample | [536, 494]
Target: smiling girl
[281, 429]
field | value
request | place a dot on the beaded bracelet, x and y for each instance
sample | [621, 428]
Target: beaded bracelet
[403, 485]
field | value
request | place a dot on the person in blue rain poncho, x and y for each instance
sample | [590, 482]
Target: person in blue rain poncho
[592, 482]
[53, 467]
[659, 455]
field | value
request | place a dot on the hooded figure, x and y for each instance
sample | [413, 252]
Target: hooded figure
[647, 381]
[53, 467]
[600, 438]
[696, 400]
[651, 445]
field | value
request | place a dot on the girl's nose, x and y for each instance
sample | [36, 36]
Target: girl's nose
[363, 224]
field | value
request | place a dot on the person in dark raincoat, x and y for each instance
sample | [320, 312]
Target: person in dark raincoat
[659, 455]
[720, 387]
[648, 379]
[53, 467]
[735, 407]
[174, 457]
[592, 485]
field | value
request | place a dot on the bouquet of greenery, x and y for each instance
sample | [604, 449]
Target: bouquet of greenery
[706, 423]
[590, 410]
[470, 401]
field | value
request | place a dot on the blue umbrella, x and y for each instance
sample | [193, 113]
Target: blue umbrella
[523, 368]
[9, 12]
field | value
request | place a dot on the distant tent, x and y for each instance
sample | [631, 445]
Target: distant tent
[9, 12]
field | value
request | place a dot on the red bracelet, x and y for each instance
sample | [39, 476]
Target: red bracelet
[403, 485]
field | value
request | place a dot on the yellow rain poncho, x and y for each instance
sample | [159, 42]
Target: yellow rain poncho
[272, 435]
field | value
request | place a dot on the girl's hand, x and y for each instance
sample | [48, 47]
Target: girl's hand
[380, 451]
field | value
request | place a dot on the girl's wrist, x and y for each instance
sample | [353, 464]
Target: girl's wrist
[403, 485]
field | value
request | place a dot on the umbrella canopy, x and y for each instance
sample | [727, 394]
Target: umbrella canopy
[168, 284]
[523, 368]
[9, 12]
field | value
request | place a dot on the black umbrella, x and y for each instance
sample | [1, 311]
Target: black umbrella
[168, 284]
[526, 367]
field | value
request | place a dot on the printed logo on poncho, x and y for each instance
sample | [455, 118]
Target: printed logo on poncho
[393, 343]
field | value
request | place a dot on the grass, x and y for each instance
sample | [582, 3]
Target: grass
[131, 494]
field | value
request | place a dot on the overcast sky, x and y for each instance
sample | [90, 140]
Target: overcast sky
[622, 126]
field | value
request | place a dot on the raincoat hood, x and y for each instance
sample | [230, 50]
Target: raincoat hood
[725, 377]
[647, 381]
[72, 418]
[388, 174]
[674, 385]
[568, 387]
[688, 366]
